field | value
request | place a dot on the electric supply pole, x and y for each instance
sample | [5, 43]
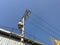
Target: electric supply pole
[21, 25]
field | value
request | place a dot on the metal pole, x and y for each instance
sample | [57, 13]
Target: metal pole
[21, 25]
[22, 33]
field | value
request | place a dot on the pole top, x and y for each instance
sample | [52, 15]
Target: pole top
[21, 22]
[26, 14]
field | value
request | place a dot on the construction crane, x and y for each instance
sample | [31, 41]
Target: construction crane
[21, 25]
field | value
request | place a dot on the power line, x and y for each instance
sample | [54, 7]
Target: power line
[38, 27]
[44, 26]
[12, 29]
[34, 36]
[38, 17]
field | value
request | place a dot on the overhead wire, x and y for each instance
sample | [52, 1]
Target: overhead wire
[35, 37]
[38, 27]
[37, 32]
[55, 31]
[38, 17]
[44, 26]
[12, 29]
[44, 31]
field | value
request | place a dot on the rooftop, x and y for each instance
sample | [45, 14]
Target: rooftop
[18, 37]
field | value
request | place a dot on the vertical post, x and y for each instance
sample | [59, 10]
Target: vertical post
[21, 25]
[22, 32]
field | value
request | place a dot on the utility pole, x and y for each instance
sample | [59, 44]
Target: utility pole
[21, 25]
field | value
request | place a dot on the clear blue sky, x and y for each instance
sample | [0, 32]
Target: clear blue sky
[12, 10]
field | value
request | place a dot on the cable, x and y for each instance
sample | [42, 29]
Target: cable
[44, 26]
[35, 37]
[48, 33]
[38, 17]
[38, 27]
[10, 28]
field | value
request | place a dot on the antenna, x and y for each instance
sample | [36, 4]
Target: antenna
[21, 25]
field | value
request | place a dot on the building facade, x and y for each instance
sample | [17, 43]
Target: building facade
[8, 38]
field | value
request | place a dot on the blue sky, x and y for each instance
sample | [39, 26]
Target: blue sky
[11, 12]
